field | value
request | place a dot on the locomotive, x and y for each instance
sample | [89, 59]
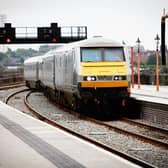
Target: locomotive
[80, 74]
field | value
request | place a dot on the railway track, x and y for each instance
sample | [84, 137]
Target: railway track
[9, 80]
[159, 135]
[146, 133]
[54, 123]
[144, 125]
[109, 125]
[9, 89]
[13, 85]
[6, 100]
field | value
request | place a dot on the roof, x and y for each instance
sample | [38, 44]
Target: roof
[97, 41]
[33, 59]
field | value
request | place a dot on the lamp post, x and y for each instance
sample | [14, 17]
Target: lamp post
[132, 67]
[157, 62]
[138, 62]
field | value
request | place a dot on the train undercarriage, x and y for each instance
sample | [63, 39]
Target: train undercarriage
[104, 102]
[100, 103]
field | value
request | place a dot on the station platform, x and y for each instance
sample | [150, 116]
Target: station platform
[30, 143]
[148, 93]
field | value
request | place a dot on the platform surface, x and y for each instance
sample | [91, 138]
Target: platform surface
[150, 94]
[26, 142]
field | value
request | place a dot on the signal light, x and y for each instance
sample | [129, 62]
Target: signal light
[54, 40]
[8, 40]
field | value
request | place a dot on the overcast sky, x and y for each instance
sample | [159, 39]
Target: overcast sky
[117, 19]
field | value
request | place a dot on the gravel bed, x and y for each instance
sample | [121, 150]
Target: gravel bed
[150, 153]
[139, 130]
[161, 125]
[16, 101]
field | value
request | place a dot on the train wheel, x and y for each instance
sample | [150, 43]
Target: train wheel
[75, 104]
[84, 107]
[61, 99]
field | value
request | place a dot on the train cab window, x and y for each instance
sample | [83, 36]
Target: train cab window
[102, 54]
[113, 54]
[91, 55]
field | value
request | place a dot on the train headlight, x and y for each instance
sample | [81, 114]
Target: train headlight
[89, 78]
[119, 78]
[93, 78]
[116, 77]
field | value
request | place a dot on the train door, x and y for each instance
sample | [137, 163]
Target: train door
[55, 70]
[54, 59]
[74, 68]
[59, 71]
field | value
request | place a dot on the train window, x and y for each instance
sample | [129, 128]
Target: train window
[113, 54]
[66, 60]
[60, 61]
[91, 55]
[102, 54]
[57, 62]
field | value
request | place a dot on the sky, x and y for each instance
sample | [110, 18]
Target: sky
[116, 19]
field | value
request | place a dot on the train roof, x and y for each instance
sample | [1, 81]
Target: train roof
[34, 59]
[97, 41]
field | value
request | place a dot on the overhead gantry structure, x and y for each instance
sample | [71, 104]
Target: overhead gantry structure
[31, 35]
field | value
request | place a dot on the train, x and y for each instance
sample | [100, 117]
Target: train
[89, 73]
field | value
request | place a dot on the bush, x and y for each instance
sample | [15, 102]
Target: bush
[151, 79]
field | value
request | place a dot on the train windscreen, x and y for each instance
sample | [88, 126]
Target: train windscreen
[102, 54]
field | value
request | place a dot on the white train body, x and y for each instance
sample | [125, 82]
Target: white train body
[89, 69]
[31, 70]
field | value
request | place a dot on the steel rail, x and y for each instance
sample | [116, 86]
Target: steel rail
[129, 133]
[13, 94]
[101, 145]
[140, 137]
[144, 125]
[143, 138]
[13, 85]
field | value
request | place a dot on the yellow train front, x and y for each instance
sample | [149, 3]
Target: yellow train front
[103, 77]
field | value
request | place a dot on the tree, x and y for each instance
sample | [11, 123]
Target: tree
[22, 60]
[152, 59]
[25, 52]
[45, 48]
[2, 56]
[10, 53]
